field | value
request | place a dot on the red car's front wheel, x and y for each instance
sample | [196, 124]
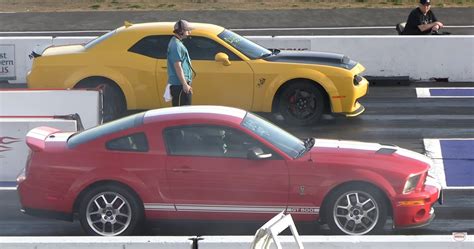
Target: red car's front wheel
[356, 210]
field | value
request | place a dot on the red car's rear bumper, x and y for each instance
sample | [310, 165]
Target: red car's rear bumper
[415, 210]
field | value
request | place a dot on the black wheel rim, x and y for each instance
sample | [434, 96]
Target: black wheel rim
[302, 104]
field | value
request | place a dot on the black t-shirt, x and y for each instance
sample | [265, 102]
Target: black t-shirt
[416, 18]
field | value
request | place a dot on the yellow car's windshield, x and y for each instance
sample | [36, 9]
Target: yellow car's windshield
[245, 46]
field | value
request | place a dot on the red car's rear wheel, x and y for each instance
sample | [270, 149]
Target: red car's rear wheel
[110, 210]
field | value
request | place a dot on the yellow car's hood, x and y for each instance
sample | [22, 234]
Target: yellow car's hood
[308, 57]
[67, 49]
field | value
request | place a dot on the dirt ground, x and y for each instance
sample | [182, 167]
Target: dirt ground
[117, 5]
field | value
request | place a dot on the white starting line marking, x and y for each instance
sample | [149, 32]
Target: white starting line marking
[424, 92]
[433, 151]
[7, 188]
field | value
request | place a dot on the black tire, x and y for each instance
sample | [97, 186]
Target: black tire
[301, 103]
[113, 100]
[366, 213]
[110, 210]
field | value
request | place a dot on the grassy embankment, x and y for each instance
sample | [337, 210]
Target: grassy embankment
[108, 5]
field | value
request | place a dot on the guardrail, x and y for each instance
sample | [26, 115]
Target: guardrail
[238, 242]
[419, 57]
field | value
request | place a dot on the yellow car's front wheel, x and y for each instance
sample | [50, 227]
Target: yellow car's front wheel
[301, 103]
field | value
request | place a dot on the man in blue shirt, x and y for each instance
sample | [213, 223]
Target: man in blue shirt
[180, 72]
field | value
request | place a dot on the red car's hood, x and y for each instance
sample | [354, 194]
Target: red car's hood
[348, 148]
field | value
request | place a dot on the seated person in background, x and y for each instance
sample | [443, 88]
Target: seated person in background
[422, 21]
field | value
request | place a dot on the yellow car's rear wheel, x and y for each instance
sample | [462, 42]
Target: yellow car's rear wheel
[301, 103]
[113, 99]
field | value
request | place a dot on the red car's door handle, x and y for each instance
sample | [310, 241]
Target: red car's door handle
[183, 170]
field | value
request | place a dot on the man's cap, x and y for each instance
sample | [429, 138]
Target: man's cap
[425, 2]
[182, 25]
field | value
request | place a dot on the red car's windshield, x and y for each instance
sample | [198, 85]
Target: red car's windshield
[283, 140]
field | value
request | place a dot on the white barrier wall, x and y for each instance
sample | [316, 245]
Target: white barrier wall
[13, 148]
[237, 242]
[24, 102]
[419, 57]
[14, 60]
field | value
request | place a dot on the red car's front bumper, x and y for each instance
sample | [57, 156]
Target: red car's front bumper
[416, 209]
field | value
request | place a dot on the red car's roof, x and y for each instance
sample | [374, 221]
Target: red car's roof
[208, 111]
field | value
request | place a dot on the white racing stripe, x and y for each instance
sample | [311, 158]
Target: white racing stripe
[231, 208]
[159, 207]
[328, 143]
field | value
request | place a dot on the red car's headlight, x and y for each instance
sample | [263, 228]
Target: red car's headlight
[411, 183]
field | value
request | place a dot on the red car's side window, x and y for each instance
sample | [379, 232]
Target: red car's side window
[134, 142]
[207, 140]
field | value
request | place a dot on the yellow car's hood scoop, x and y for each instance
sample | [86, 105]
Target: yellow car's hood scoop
[307, 57]
[67, 49]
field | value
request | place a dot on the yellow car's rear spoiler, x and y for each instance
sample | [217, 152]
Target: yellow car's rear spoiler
[127, 24]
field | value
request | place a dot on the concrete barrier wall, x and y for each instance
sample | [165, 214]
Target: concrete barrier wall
[237, 242]
[162, 242]
[345, 242]
[419, 57]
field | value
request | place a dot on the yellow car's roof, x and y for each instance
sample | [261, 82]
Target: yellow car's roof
[167, 27]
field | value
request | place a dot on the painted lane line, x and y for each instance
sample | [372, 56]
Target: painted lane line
[53, 31]
[7, 185]
[335, 28]
[445, 92]
[236, 29]
[7, 188]
[433, 150]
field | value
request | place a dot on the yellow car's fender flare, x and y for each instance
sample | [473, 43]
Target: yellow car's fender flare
[108, 73]
[301, 74]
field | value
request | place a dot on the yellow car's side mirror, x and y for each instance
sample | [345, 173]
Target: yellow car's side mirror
[222, 58]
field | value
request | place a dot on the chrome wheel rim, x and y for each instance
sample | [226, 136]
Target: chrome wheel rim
[108, 214]
[356, 213]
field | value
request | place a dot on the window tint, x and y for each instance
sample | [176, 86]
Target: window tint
[154, 46]
[105, 129]
[213, 141]
[134, 142]
[201, 48]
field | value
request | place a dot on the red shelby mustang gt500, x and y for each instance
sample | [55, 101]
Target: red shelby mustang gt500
[219, 163]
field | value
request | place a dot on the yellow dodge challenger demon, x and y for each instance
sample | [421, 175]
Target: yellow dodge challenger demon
[129, 63]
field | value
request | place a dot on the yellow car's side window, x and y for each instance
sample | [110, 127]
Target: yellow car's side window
[201, 48]
[154, 46]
